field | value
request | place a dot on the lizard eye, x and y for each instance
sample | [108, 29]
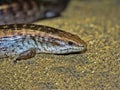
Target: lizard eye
[70, 43]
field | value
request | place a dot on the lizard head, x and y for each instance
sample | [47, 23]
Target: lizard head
[61, 42]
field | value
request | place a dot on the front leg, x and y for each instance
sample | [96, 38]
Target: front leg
[26, 55]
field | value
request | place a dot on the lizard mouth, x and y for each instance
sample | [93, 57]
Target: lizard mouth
[71, 50]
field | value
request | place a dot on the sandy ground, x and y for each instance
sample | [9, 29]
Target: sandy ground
[97, 23]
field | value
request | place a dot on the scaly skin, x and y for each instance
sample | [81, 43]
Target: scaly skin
[27, 11]
[23, 41]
